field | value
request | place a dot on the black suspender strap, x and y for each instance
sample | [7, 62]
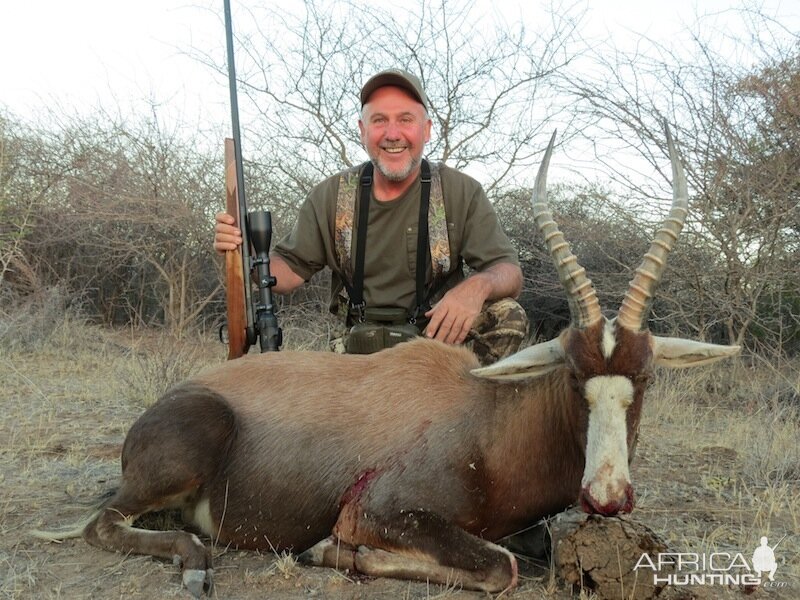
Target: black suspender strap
[422, 240]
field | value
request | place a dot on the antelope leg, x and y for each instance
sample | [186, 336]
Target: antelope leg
[421, 545]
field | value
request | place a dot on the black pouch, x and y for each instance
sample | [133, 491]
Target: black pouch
[381, 328]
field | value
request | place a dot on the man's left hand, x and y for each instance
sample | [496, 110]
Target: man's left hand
[452, 317]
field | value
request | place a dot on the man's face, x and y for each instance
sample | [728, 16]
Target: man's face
[394, 130]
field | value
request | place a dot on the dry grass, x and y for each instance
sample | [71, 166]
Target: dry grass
[717, 466]
[145, 373]
[729, 434]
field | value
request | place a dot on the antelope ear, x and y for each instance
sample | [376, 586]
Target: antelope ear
[678, 353]
[530, 362]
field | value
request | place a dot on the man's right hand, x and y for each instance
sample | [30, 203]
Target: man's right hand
[226, 236]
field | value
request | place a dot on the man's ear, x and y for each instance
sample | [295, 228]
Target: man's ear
[362, 132]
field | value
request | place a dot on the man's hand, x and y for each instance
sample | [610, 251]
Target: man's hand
[452, 317]
[226, 236]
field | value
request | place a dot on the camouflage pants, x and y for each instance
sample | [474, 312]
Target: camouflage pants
[497, 332]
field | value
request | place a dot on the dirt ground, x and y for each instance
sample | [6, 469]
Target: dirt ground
[66, 411]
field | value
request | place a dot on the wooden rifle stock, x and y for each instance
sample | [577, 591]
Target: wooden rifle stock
[236, 279]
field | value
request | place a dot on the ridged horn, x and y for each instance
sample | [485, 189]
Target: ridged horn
[636, 305]
[584, 308]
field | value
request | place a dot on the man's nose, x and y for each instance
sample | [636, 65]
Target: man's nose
[392, 131]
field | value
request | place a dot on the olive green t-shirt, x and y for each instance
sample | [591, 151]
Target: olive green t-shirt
[474, 232]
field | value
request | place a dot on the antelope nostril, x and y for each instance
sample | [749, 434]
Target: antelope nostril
[630, 499]
[592, 506]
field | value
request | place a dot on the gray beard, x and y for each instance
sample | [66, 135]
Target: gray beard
[394, 175]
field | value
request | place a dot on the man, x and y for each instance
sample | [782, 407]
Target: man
[463, 227]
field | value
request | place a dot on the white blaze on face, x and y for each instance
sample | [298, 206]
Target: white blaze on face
[606, 473]
[609, 339]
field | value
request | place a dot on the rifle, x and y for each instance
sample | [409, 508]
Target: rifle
[246, 321]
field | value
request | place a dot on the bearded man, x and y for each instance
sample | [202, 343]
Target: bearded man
[397, 233]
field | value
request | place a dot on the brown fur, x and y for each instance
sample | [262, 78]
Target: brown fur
[286, 448]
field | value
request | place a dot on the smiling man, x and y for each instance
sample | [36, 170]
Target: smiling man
[394, 132]
[397, 232]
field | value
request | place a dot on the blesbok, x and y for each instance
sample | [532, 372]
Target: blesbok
[406, 463]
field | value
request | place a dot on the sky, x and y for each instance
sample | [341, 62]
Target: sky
[69, 57]
[78, 53]
[81, 53]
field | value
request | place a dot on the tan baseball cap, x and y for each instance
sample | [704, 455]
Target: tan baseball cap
[396, 77]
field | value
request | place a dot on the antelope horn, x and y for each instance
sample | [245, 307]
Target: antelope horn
[639, 297]
[584, 308]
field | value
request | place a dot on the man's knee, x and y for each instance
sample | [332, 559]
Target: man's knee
[336, 344]
[498, 331]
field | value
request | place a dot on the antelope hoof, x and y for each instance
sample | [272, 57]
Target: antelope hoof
[197, 581]
[314, 556]
[329, 552]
